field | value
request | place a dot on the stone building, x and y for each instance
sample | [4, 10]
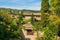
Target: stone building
[29, 34]
[28, 15]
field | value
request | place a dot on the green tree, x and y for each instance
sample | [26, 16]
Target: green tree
[44, 12]
[55, 6]
[45, 6]
[32, 19]
[4, 16]
[21, 17]
[8, 27]
[14, 25]
[49, 33]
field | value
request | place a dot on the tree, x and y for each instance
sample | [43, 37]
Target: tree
[21, 17]
[45, 6]
[4, 16]
[44, 12]
[15, 30]
[14, 25]
[32, 19]
[4, 32]
[55, 6]
[50, 31]
[8, 27]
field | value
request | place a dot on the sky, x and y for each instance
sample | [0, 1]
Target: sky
[21, 4]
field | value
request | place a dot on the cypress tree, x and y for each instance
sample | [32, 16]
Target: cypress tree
[45, 6]
[20, 17]
[32, 19]
[44, 12]
[50, 31]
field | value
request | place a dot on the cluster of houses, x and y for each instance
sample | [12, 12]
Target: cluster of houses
[36, 15]
[27, 33]
[27, 15]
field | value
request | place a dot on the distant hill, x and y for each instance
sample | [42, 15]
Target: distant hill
[22, 9]
[16, 11]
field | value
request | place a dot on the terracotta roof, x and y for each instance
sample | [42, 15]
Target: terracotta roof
[27, 13]
[28, 26]
[37, 13]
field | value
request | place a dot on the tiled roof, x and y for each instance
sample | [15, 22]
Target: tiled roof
[29, 13]
[28, 26]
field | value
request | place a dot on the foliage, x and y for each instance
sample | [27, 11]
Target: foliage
[50, 32]
[50, 22]
[55, 6]
[4, 16]
[21, 17]
[4, 32]
[44, 12]
[26, 21]
[8, 27]
[45, 6]
[14, 21]
[32, 19]
[37, 26]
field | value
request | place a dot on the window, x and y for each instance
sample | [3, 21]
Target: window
[29, 32]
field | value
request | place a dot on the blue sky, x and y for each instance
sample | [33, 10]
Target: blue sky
[21, 4]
